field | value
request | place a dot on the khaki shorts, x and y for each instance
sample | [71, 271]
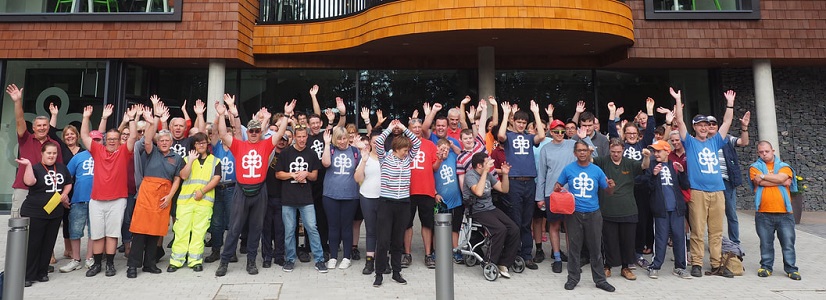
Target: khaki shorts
[106, 218]
[17, 198]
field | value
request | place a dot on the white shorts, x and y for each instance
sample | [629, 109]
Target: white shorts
[106, 218]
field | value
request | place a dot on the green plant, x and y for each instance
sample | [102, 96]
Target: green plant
[801, 185]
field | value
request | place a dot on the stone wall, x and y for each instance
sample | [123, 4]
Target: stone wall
[799, 95]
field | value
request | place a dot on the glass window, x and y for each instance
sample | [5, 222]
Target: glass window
[562, 88]
[90, 10]
[702, 9]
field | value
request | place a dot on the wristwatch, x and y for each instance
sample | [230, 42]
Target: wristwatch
[762, 176]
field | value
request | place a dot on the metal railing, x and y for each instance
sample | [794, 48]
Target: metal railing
[297, 11]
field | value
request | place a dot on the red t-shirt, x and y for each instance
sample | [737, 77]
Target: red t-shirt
[29, 148]
[456, 134]
[251, 160]
[110, 172]
[421, 170]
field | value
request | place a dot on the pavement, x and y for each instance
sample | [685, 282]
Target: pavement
[306, 283]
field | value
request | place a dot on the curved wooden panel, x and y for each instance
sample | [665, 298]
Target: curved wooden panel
[596, 18]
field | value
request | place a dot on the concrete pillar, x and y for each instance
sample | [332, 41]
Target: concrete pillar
[487, 72]
[764, 103]
[215, 85]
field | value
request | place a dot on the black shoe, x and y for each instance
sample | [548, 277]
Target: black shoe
[251, 268]
[326, 256]
[355, 254]
[93, 270]
[152, 269]
[198, 268]
[51, 269]
[267, 264]
[303, 256]
[131, 272]
[122, 248]
[243, 249]
[369, 266]
[539, 257]
[376, 283]
[570, 285]
[29, 283]
[557, 267]
[697, 271]
[530, 264]
[605, 286]
[171, 269]
[279, 261]
[388, 269]
[213, 257]
[170, 243]
[159, 254]
[208, 243]
[222, 269]
[44, 278]
[110, 270]
[233, 259]
[397, 277]
[563, 257]
[722, 271]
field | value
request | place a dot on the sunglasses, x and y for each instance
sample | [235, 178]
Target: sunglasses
[141, 131]
[558, 131]
[256, 130]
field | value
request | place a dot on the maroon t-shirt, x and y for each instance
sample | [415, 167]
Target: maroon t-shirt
[29, 148]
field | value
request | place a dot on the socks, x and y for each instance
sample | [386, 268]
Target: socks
[538, 246]
[98, 258]
[557, 256]
[110, 259]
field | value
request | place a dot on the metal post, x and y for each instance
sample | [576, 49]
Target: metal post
[15, 273]
[444, 252]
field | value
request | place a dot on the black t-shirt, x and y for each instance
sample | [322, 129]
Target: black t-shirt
[273, 184]
[291, 160]
[316, 144]
[49, 181]
[182, 146]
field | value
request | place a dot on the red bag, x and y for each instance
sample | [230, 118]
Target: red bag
[562, 202]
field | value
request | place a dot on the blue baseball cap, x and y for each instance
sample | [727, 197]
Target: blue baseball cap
[699, 118]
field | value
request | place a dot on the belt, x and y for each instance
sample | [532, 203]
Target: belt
[521, 178]
[224, 185]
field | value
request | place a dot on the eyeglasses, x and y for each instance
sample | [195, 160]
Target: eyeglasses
[141, 131]
[583, 150]
[201, 143]
[558, 131]
[712, 123]
[256, 130]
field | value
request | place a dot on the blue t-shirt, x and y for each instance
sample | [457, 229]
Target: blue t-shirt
[667, 182]
[435, 139]
[703, 164]
[447, 183]
[339, 183]
[227, 162]
[82, 167]
[584, 183]
[519, 154]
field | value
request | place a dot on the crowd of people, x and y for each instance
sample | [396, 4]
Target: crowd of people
[638, 190]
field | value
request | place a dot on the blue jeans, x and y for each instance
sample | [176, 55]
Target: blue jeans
[731, 212]
[78, 219]
[289, 215]
[220, 215]
[521, 196]
[766, 225]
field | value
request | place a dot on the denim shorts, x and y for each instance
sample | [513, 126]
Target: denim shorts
[78, 219]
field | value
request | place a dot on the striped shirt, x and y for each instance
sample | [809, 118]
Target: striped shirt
[463, 162]
[395, 172]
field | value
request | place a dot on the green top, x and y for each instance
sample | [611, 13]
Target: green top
[621, 203]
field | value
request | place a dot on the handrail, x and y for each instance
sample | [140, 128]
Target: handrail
[299, 11]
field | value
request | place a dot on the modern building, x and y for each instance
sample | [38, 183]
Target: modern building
[393, 55]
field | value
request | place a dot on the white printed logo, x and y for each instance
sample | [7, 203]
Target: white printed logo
[52, 179]
[446, 173]
[342, 162]
[419, 159]
[521, 144]
[318, 147]
[88, 167]
[227, 167]
[584, 184]
[297, 166]
[251, 162]
[665, 176]
[708, 159]
[179, 149]
[632, 153]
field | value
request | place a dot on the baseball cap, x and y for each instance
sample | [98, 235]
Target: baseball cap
[698, 119]
[556, 123]
[661, 145]
[254, 124]
[711, 119]
[96, 135]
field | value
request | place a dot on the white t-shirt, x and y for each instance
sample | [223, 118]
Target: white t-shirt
[371, 186]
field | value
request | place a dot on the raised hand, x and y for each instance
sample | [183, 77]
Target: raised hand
[506, 167]
[23, 161]
[466, 100]
[492, 100]
[314, 90]
[131, 111]
[380, 117]
[289, 107]
[365, 114]
[612, 107]
[15, 93]
[581, 132]
[506, 108]
[193, 154]
[415, 114]
[265, 115]
[229, 99]
[620, 111]
[53, 109]
[550, 111]
[328, 136]
[580, 106]
[471, 114]
[138, 110]
[87, 111]
[342, 109]
[330, 115]
[200, 107]
[677, 95]
[744, 122]
[400, 125]
[663, 110]
[730, 95]
[436, 107]
[220, 109]
[107, 111]
[646, 152]
[514, 108]
[426, 109]
[649, 105]
[534, 107]
[164, 113]
[147, 113]
[155, 99]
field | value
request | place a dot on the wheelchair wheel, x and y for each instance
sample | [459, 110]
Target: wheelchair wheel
[470, 260]
[491, 271]
[519, 265]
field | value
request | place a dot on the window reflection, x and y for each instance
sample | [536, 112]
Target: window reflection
[87, 6]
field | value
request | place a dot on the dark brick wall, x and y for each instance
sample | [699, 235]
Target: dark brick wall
[798, 95]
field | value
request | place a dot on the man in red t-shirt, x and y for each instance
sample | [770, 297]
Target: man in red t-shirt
[250, 199]
[108, 202]
[422, 195]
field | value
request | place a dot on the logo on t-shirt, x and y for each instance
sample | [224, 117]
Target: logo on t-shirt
[227, 167]
[342, 162]
[419, 159]
[583, 183]
[632, 153]
[88, 166]
[665, 176]
[252, 162]
[297, 166]
[708, 159]
[179, 149]
[318, 147]
[52, 179]
[446, 173]
[521, 144]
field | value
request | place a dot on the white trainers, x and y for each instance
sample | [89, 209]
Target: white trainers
[331, 264]
[89, 262]
[503, 271]
[345, 263]
[71, 266]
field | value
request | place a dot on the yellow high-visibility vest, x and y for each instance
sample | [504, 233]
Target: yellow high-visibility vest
[199, 176]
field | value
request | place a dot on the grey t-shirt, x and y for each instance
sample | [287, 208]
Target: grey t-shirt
[484, 203]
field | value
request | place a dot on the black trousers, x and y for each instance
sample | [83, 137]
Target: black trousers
[504, 236]
[585, 229]
[393, 216]
[244, 208]
[143, 250]
[272, 235]
[645, 220]
[618, 242]
[42, 236]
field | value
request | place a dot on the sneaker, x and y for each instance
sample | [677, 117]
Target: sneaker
[279, 261]
[110, 270]
[530, 264]
[764, 272]
[213, 257]
[288, 266]
[251, 268]
[682, 273]
[71, 266]
[222, 269]
[539, 257]
[654, 274]
[369, 266]
[93, 270]
[407, 259]
[331, 264]
[627, 274]
[794, 275]
[503, 271]
[89, 262]
[303, 256]
[643, 263]
[355, 254]
[458, 259]
[697, 271]
[397, 277]
[266, 264]
[430, 261]
[557, 267]
[321, 267]
[377, 282]
[605, 286]
[345, 263]
[570, 285]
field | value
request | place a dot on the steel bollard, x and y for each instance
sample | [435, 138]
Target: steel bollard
[15, 273]
[444, 252]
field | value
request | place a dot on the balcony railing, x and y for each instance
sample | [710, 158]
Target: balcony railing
[297, 11]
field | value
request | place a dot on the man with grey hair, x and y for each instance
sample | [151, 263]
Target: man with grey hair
[453, 120]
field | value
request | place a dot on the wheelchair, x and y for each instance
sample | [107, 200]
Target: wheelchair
[474, 246]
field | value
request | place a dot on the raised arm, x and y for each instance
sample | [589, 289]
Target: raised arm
[729, 115]
[342, 112]
[84, 127]
[502, 136]
[462, 116]
[226, 138]
[365, 115]
[107, 112]
[28, 174]
[152, 125]
[651, 123]
[190, 159]
[678, 111]
[233, 116]
[580, 108]
[313, 94]
[612, 120]
[186, 114]
[200, 109]
[483, 117]
[494, 113]
[53, 111]
[133, 113]
[744, 130]
[325, 156]
[540, 128]
[429, 115]
[19, 118]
